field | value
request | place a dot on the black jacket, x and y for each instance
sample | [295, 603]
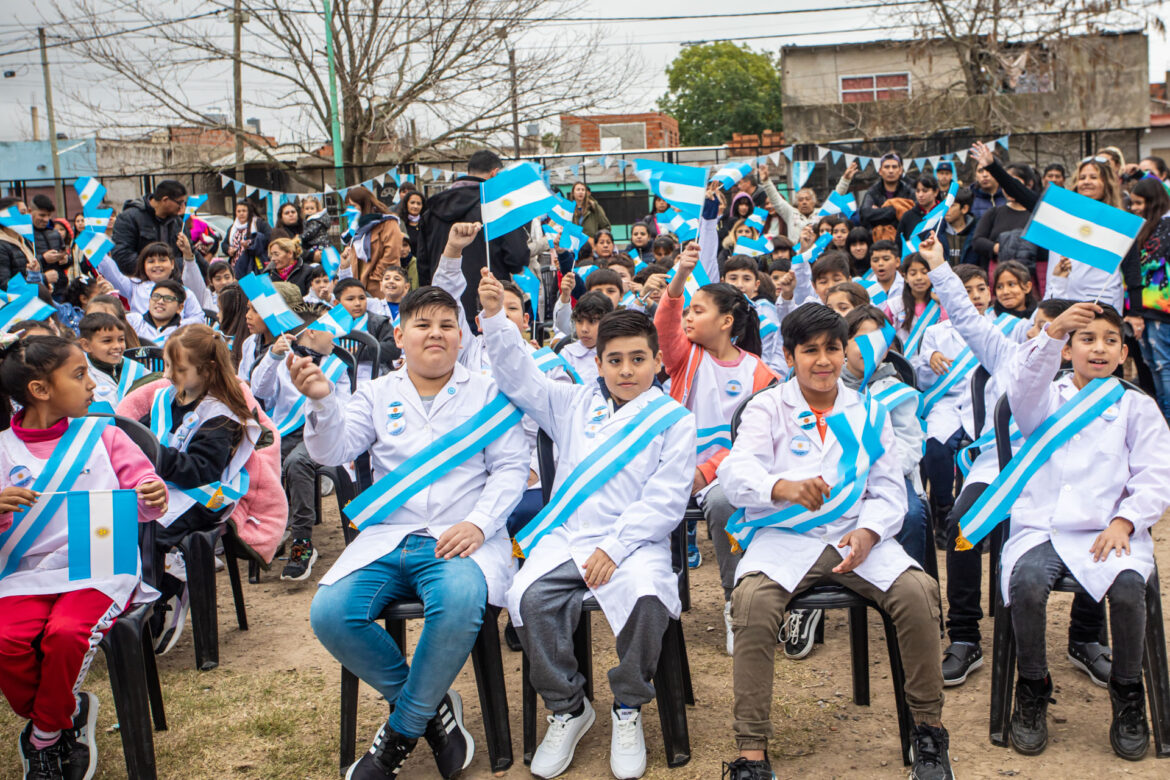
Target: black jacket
[138, 226]
[299, 275]
[13, 261]
[460, 203]
[874, 210]
[382, 329]
[255, 257]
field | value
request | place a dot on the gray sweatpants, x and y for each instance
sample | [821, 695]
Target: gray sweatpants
[550, 610]
[717, 510]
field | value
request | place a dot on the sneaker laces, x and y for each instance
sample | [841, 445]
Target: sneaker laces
[1032, 705]
[558, 730]
[301, 550]
[928, 747]
[1132, 717]
[627, 732]
[790, 629]
[49, 761]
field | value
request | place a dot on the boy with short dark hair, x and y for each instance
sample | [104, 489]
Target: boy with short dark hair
[434, 532]
[884, 263]
[581, 353]
[798, 529]
[351, 294]
[742, 273]
[610, 540]
[103, 341]
[829, 270]
[395, 284]
[164, 314]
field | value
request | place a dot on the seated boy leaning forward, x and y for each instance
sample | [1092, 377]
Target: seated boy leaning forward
[433, 532]
[626, 456]
[793, 441]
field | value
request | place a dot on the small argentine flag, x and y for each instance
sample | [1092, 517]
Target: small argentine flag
[811, 254]
[836, 203]
[352, 213]
[562, 210]
[267, 303]
[682, 186]
[26, 306]
[331, 261]
[1082, 229]
[21, 224]
[932, 220]
[746, 245]
[337, 321]
[89, 190]
[97, 218]
[103, 533]
[697, 279]
[758, 219]
[684, 229]
[193, 204]
[529, 283]
[512, 199]
[730, 174]
[572, 237]
[873, 347]
[94, 245]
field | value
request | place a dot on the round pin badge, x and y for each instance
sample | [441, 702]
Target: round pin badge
[450, 391]
[1110, 414]
[801, 445]
[733, 387]
[397, 427]
[598, 413]
[20, 476]
[395, 409]
[806, 420]
[592, 429]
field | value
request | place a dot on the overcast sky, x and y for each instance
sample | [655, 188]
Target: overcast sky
[656, 42]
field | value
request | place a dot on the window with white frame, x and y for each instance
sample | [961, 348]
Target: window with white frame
[878, 86]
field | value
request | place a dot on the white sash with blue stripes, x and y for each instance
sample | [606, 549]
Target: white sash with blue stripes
[547, 360]
[930, 315]
[294, 418]
[962, 366]
[996, 502]
[379, 501]
[715, 436]
[857, 455]
[610, 457]
[965, 458]
[897, 394]
[65, 464]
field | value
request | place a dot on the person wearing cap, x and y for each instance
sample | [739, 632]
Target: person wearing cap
[887, 200]
[945, 173]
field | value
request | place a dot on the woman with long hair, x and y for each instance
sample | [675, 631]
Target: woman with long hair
[1149, 200]
[377, 240]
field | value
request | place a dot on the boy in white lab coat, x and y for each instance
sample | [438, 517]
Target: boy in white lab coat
[788, 450]
[432, 528]
[626, 460]
[1087, 511]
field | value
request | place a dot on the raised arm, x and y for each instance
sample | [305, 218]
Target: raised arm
[987, 342]
[448, 276]
[112, 271]
[709, 233]
[337, 430]
[1011, 186]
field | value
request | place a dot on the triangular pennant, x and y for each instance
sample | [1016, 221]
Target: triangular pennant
[380, 178]
[774, 157]
[787, 153]
[822, 152]
[919, 162]
[224, 180]
[849, 158]
[934, 161]
[239, 185]
[836, 155]
[962, 155]
[1002, 141]
[800, 173]
[621, 164]
[328, 188]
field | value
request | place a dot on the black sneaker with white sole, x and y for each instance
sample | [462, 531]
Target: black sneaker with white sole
[930, 750]
[799, 632]
[1094, 659]
[44, 764]
[81, 740]
[385, 758]
[174, 619]
[301, 557]
[959, 660]
[742, 769]
[449, 739]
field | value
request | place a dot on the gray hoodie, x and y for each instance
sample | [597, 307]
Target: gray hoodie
[908, 428]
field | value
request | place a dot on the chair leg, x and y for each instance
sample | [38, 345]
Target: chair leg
[1157, 678]
[528, 704]
[230, 551]
[1003, 662]
[153, 684]
[859, 654]
[898, 676]
[349, 703]
[199, 553]
[583, 648]
[669, 685]
[493, 694]
[127, 666]
[253, 573]
[688, 685]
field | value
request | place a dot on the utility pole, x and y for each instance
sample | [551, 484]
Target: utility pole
[502, 32]
[334, 122]
[58, 186]
[237, 86]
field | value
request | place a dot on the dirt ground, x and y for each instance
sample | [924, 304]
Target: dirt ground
[270, 710]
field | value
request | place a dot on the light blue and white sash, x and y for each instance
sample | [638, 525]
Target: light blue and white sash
[996, 502]
[930, 315]
[132, 371]
[421, 470]
[897, 394]
[58, 476]
[294, 418]
[965, 458]
[214, 496]
[610, 457]
[962, 366]
[547, 360]
[715, 436]
[857, 456]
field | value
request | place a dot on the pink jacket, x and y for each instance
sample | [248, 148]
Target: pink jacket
[261, 515]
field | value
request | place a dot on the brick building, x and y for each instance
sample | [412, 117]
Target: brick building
[615, 132]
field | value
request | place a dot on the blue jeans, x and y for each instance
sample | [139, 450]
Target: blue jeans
[912, 537]
[1156, 353]
[344, 617]
[939, 467]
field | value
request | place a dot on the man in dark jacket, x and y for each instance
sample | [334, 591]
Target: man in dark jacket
[957, 230]
[156, 217]
[460, 203]
[874, 210]
[48, 245]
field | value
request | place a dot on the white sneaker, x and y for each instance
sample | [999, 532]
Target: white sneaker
[174, 565]
[173, 627]
[327, 486]
[727, 625]
[560, 742]
[627, 746]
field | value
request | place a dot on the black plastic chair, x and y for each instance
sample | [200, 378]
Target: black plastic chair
[829, 595]
[1003, 662]
[903, 368]
[129, 648]
[563, 343]
[357, 340]
[672, 679]
[151, 357]
[211, 317]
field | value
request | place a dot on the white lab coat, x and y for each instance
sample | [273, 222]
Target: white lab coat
[482, 490]
[272, 385]
[1115, 466]
[632, 516]
[764, 452]
[138, 291]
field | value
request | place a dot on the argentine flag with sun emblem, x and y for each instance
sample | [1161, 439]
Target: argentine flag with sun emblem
[1082, 229]
[512, 199]
[103, 533]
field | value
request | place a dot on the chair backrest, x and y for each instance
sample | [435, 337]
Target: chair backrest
[903, 368]
[548, 285]
[151, 357]
[563, 343]
[979, 381]
[346, 357]
[211, 317]
[355, 340]
[737, 415]
[548, 464]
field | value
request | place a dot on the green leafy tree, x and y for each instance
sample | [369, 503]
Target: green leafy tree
[718, 89]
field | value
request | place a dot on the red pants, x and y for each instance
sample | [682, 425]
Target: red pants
[46, 645]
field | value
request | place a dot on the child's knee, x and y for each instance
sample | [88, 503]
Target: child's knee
[758, 601]
[329, 617]
[1028, 586]
[466, 591]
[1128, 591]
